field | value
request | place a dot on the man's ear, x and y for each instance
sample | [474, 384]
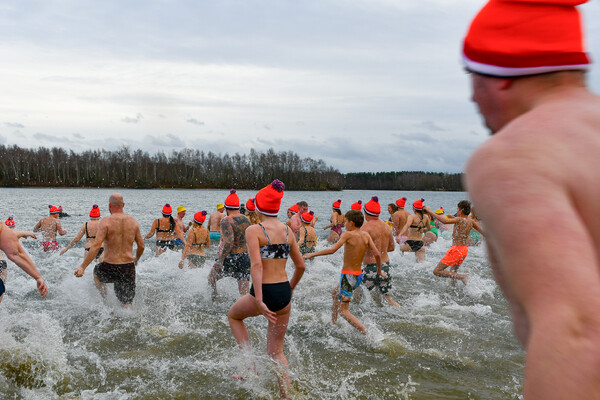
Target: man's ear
[505, 83]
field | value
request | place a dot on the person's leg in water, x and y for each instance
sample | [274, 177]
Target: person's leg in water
[101, 287]
[440, 270]
[213, 277]
[275, 335]
[243, 308]
[335, 308]
[348, 316]
[420, 254]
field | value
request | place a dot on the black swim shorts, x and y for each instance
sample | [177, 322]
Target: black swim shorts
[122, 275]
[237, 266]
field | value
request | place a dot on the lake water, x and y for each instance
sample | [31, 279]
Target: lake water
[444, 342]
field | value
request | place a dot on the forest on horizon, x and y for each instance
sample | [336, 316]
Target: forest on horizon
[195, 169]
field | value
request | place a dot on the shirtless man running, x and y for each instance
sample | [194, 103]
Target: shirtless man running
[118, 232]
[541, 163]
[399, 220]
[458, 252]
[10, 245]
[233, 255]
[49, 226]
[382, 236]
[214, 222]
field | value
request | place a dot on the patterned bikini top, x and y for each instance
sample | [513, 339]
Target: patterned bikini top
[279, 250]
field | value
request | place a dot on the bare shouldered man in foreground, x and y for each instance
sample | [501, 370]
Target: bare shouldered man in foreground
[383, 238]
[541, 161]
[9, 244]
[118, 232]
[49, 226]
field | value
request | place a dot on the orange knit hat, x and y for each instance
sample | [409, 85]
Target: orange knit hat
[418, 205]
[401, 202]
[307, 217]
[167, 210]
[525, 37]
[10, 222]
[95, 212]
[53, 210]
[337, 204]
[356, 206]
[373, 207]
[250, 205]
[199, 217]
[295, 209]
[232, 201]
[268, 199]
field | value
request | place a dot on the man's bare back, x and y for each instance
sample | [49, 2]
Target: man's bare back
[119, 232]
[381, 234]
[49, 226]
[214, 221]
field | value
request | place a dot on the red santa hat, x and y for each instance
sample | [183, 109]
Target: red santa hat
[268, 199]
[232, 201]
[337, 204]
[95, 212]
[250, 205]
[307, 217]
[525, 37]
[356, 206]
[199, 217]
[418, 205]
[167, 210]
[373, 207]
[401, 202]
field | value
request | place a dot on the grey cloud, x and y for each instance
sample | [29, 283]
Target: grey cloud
[14, 125]
[168, 140]
[135, 120]
[267, 127]
[195, 121]
[431, 126]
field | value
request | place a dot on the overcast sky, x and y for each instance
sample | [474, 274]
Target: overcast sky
[365, 85]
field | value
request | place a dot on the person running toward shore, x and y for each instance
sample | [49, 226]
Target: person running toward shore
[166, 231]
[89, 229]
[233, 256]
[382, 236]
[10, 245]
[356, 243]
[117, 233]
[458, 252]
[270, 243]
[50, 226]
[251, 214]
[198, 239]
[399, 220]
[337, 222]
[527, 66]
[414, 228]
[214, 222]
[308, 236]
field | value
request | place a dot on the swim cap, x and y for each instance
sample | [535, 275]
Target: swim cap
[401, 202]
[167, 210]
[525, 37]
[294, 209]
[418, 205]
[440, 210]
[220, 206]
[307, 217]
[356, 206]
[268, 199]
[250, 205]
[337, 204]
[10, 222]
[53, 210]
[232, 201]
[95, 212]
[373, 207]
[180, 209]
[199, 217]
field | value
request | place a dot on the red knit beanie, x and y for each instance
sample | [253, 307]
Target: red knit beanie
[307, 217]
[53, 210]
[232, 201]
[373, 207]
[250, 205]
[418, 205]
[401, 202]
[167, 210]
[199, 217]
[525, 37]
[295, 209]
[337, 204]
[10, 222]
[268, 199]
[95, 212]
[356, 206]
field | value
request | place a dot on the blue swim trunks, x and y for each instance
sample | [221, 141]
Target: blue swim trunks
[349, 282]
[215, 236]
[178, 242]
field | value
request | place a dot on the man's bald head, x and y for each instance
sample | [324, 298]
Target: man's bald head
[116, 200]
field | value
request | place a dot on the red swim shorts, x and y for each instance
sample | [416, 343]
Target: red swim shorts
[455, 256]
[49, 246]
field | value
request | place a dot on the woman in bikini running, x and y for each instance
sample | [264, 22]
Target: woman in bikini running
[166, 231]
[416, 225]
[270, 243]
[337, 222]
[198, 239]
[89, 229]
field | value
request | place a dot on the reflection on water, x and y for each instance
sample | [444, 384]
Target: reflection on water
[443, 342]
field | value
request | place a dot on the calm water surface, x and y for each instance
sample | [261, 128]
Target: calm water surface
[444, 342]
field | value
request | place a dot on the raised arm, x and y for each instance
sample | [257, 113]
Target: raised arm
[152, 229]
[75, 240]
[38, 226]
[329, 250]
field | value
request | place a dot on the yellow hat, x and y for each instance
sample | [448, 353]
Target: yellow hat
[180, 209]
[220, 205]
[440, 210]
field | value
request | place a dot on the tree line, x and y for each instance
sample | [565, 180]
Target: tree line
[195, 169]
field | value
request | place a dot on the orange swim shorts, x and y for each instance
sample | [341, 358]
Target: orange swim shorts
[455, 256]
